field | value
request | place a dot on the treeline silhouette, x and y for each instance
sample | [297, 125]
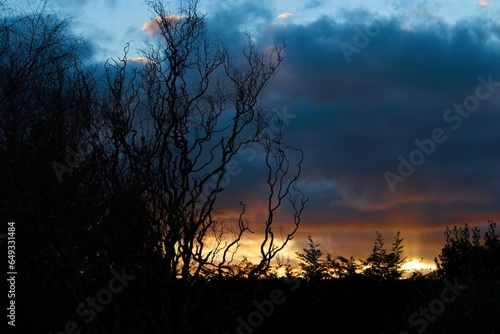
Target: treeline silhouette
[112, 174]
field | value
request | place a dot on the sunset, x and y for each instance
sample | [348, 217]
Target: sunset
[164, 156]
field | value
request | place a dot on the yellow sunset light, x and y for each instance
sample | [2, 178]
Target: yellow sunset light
[418, 265]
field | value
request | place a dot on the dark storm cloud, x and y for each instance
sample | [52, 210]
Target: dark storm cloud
[396, 60]
[357, 114]
[229, 19]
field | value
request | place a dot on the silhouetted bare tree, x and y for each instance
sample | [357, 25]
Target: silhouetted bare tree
[176, 123]
[190, 111]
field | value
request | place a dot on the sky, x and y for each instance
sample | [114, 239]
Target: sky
[396, 105]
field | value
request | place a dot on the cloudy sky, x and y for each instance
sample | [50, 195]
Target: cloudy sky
[396, 105]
